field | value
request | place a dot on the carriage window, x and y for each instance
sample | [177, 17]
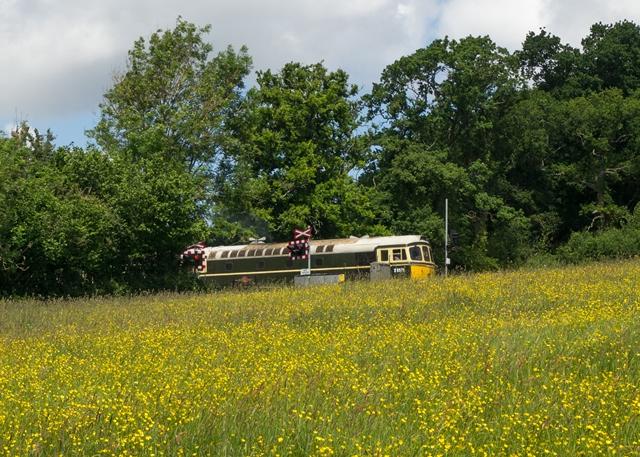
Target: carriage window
[284, 251]
[399, 254]
[415, 253]
[268, 251]
[242, 253]
[251, 253]
[228, 266]
[225, 254]
[329, 248]
[233, 254]
[319, 249]
[426, 253]
[384, 255]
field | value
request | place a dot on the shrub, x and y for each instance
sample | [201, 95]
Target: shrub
[612, 243]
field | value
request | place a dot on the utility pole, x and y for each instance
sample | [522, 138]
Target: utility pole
[446, 236]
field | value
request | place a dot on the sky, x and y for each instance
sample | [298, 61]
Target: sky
[58, 57]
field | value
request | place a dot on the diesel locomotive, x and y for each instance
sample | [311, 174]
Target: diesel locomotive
[363, 257]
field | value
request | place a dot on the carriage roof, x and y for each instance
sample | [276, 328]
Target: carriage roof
[340, 245]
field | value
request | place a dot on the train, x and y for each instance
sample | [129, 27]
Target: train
[364, 257]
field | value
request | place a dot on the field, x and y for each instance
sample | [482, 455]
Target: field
[540, 362]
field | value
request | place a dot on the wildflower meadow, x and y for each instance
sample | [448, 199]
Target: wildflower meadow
[535, 362]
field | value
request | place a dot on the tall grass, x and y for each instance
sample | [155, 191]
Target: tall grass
[540, 362]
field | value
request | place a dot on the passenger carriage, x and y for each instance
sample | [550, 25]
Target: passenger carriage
[365, 257]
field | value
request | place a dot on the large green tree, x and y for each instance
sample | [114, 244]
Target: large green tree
[597, 150]
[166, 124]
[56, 237]
[573, 140]
[297, 151]
[174, 100]
[435, 116]
[609, 58]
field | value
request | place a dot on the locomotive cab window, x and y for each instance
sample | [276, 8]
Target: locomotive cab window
[415, 253]
[426, 253]
[384, 255]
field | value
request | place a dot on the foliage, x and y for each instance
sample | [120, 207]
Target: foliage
[114, 217]
[528, 147]
[173, 102]
[612, 243]
[55, 237]
[78, 222]
[438, 109]
[615, 243]
[297, 149]
[492, 364]
[171, 116]
[533, 149]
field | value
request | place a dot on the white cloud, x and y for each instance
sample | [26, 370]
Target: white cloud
[508, 21]
[61, 56]
[58, 57]
[571, 19]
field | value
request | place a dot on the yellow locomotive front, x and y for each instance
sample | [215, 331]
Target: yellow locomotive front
[413, 260]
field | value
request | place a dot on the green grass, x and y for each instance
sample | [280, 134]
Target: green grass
[537, 362]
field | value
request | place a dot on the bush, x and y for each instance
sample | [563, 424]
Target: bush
[613, 243]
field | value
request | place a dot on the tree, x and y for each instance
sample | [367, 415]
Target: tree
[609, 58]
[173, 102]
[435, 116]
[551, 65]
[55, 237]
[611, 54]
[297, 151]
[165, 125]
[597, 138]
[573, 140]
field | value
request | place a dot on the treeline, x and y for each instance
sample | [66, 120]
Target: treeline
[536, 150]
